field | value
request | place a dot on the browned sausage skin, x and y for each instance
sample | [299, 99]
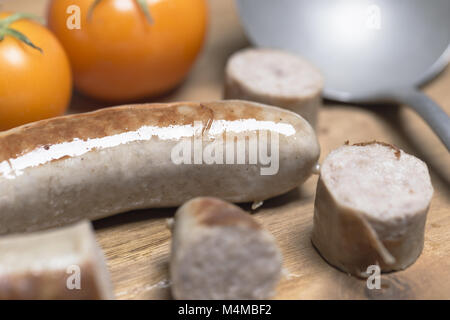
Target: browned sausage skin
[97, 164]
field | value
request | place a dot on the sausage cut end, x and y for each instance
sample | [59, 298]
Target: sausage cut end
[370, 209]
[65, 263]
[220, 252]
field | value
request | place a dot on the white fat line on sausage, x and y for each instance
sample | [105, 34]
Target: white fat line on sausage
[237, 126]
[77, 147]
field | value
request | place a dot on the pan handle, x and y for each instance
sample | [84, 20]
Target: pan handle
[423, 105]
[429, 110]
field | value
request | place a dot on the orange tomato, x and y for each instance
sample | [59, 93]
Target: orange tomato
[118, 55]
[33, 85]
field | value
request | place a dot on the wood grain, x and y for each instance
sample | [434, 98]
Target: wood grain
[136, 244]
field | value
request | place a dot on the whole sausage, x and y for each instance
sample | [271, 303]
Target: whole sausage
[93, 165]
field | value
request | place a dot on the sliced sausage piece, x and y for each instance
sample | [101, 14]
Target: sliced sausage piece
[94, 165]
[220, 252]
[371, 205]
[276, 78]
[64, 263]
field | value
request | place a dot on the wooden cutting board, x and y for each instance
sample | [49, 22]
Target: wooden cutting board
[136, 244]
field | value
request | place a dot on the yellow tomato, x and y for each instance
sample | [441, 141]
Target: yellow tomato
[33, 85]
[119, 55]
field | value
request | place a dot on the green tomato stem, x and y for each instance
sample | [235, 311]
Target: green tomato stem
[142, 4]
[5, 29]
[92, 7]
[146, 10]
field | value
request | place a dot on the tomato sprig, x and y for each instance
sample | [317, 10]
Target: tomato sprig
[142, 4]
[6, 30]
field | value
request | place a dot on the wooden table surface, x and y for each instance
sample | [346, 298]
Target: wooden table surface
[136, 244]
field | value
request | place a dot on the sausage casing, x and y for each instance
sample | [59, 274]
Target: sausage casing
[97, 164]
